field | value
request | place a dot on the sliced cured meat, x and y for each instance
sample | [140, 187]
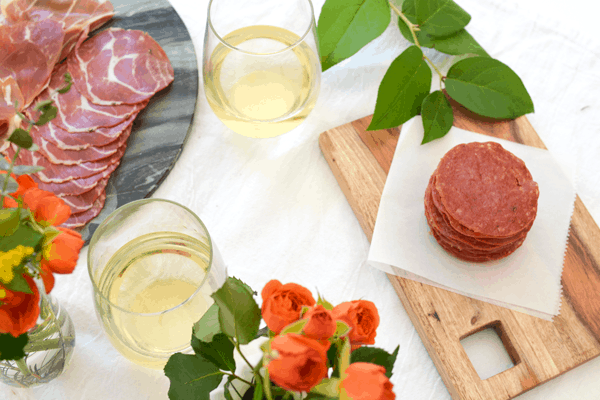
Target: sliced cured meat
[30, 51]
[77, 186]
[78, 220]
[85, 201]
[72, 157]
[56, 173]
[488, 189]
[120, 66]
[77, 114]
[74, 16]
[10, 97]
[66, 140]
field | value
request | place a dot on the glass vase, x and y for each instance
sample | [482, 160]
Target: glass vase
[49, 350]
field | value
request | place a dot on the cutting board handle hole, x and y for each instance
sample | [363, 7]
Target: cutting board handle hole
[490, 350]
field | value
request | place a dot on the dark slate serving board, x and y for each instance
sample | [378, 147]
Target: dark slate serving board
[161, 130]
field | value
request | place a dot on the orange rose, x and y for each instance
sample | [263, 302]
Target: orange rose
[19, 311]
[366, 381]
[300, 363]
[47, 277]
[61, 255]
[363, 319]
[46, 206]
[282, 304]
[25, 182]
[320, 325]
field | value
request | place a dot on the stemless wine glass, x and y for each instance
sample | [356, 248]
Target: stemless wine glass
[261, 64]
[153, 267]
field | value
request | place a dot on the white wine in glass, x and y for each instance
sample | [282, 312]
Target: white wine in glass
[261, 65]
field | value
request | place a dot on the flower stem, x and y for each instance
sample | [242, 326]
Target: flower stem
[267, 385]
[237, 377]
[22, 364]
[10, 170]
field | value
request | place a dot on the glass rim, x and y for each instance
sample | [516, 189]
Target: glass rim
[291, 46]
[95, 239]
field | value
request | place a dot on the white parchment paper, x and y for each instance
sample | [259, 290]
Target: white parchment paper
[527, 281]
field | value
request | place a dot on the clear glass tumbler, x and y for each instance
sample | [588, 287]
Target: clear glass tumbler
[153, 267]
[261, 64]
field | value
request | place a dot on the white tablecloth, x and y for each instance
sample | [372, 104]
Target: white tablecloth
[275, 210]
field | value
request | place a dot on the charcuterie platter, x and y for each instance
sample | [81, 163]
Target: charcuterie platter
[540, 350]
[160, 131]
[123, 80]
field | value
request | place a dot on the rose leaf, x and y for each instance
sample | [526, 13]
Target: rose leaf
[21, 138]
[436, 17]
[346, 26]
[11, 186]
[219, 351]
[11, 348]
[24, 235]
[437, 116]
[401, 92]
[9, 221]
[239, 315]
[208, 325]
[377, 356]
[192, 377]
[27, 169]
[489, 88]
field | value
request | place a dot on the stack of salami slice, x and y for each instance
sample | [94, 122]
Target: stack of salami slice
[115, 73]
[481, 202]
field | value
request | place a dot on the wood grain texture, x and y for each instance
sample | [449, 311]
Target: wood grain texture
[540, 350]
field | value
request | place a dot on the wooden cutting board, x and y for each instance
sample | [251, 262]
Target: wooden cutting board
[540, 350]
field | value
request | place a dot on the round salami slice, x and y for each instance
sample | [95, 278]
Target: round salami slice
[120, 66]
[487, 189]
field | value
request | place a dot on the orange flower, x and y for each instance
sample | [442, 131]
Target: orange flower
[19, 311]
[47, 277]
[300, 363]
[320, 324]
[25, 182]
[61, 255]
[282, 304]
[363, 319]
[46, 206]
[366, 381]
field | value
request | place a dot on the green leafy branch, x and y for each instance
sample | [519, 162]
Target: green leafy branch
[479, 83]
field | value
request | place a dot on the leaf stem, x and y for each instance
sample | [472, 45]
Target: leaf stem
[237, 346]
[237, 377]
[413, 30]
[10, 170]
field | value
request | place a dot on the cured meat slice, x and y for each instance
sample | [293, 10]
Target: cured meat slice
[77, 114]
[61, 173]
[10, 97]
[30, 51]
[488, 189]
[74, 16]
[78, 220]
[120, 66]
[72, 157]
[85, 201]
[66, 140]
[77, 186]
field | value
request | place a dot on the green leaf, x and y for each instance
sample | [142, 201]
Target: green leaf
[48, 113]
[436, 17]
[488, 88]
[377, 356]
[219, 351]
[326, 305]
[27, 169]
[9, 220]
[24, 235]
[21, 138]
[239, 315]
[402, 90]
[226, 391]
[294, 327]
[12, 185]
[258, 390]
[328, 387]
[68, 83]
[208, 325]
[18, 283]
[192, 377]
[437, 116]
[346, 26]
[342, 329]
[459, 43]
[11, 348]
[332, 359]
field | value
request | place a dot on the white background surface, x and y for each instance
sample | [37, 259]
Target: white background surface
[276, 211]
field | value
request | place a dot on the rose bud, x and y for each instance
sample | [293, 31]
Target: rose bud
[363, 319]
[366, 381]
[300, 362]
[282, 304]
[320, 324]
